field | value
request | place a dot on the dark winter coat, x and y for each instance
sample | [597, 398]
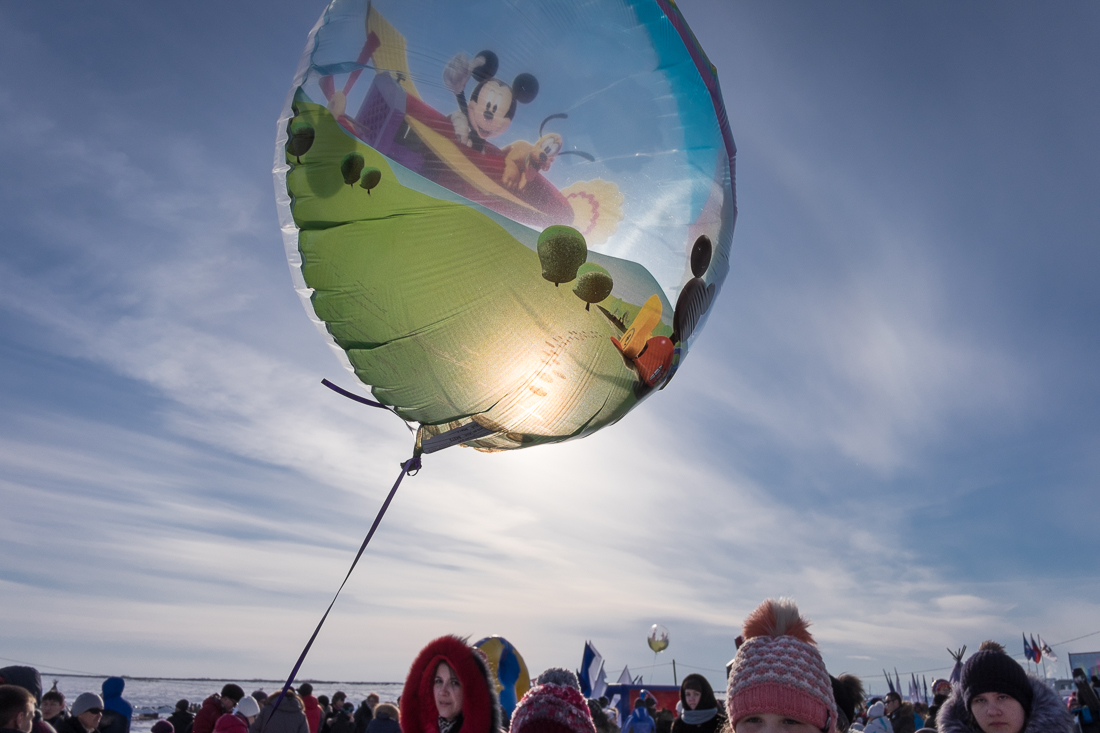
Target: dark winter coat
[208, 715]
[1048, 713]
[1088, 706]
[363, 717]
[58, 719]
[707, 701]
[385, 719]
[181, 721]
[339, 721]
[937, 703]
[481, 711]
[289, 718]
[72, 725]
[113, 722]
[902, 719]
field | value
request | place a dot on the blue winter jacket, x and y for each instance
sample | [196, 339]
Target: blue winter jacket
[639, 722]
[113, 700]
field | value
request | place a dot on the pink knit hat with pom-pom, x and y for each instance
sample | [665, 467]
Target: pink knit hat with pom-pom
[552, 708]
[779, 670]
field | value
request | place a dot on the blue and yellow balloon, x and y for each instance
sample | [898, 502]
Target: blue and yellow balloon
[509, 670]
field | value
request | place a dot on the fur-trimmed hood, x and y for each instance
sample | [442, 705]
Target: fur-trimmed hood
[480, 707]
[1048, 712]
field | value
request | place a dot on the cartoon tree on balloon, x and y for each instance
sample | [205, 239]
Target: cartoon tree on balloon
[563, 254]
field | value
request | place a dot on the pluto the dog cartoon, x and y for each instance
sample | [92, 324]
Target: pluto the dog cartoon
[521, 156]
[493, 102]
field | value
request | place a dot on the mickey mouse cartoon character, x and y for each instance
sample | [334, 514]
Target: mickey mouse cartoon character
[492, 104]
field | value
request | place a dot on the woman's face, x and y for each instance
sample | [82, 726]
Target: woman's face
[448, 692]
[772, 723]
[692, 697]
[996, 712]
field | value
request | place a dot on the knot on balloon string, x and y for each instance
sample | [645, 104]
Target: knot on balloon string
[364, 401]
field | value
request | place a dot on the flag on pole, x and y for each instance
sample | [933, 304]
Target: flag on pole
[889, 682]
[1029, 653]
[625, 678]
[599, 687]
[1036, 650]
[591, 673]
[1047, 650]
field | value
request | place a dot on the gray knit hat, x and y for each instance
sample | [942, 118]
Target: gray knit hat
[86, 702]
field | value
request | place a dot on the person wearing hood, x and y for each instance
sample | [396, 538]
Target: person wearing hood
[215, 706]
[640, 721]
[701, 712]
[996, 695]
[877, 722]
[16, 709]
[289, 717]
[117, 711]
[29, 679]
[386, 719]
[310, 706]
[450, 689]
[241, 718]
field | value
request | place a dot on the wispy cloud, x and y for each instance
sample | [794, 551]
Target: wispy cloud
[204, 531]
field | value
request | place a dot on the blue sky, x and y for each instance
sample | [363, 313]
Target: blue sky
[891, 416]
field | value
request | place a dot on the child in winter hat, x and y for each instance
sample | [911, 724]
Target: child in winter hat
[778, 671]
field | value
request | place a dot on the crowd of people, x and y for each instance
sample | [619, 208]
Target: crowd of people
[776, 683]
[229, 711]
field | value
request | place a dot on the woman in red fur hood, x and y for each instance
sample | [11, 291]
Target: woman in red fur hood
[450, 689]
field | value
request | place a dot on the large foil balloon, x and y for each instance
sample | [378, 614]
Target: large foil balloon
[658, 638]
[510, 218]
[509, 671]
